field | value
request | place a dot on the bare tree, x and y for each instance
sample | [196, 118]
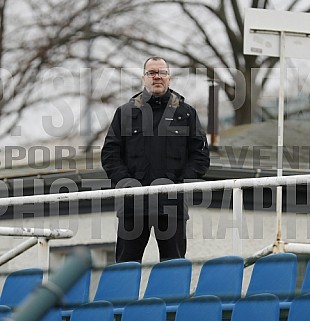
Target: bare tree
[212, 38]
[45, 43]
[52, 50]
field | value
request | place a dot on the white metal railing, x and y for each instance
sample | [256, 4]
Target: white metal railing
[36, 236]
[237, 185]
[153, 189]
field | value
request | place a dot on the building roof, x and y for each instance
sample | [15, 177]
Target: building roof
[243, 151]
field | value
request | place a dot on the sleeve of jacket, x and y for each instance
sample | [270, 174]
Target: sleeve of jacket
[112, 151]
[198, 150]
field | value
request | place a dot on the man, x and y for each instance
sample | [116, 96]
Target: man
[155, 138]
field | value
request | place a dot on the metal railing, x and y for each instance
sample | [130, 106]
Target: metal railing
[35, 306]
[39, 237]
[236, 185]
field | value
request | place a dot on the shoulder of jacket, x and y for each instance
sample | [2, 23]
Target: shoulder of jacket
[127, 106]
[182, 105]
[189, 107]
[178, 101]
[136, 100]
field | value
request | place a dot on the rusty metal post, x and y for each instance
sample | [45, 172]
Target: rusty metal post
[213, 118]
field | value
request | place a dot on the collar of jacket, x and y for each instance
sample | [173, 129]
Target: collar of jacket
[144, 96]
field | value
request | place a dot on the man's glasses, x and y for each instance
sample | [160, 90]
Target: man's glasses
[160, 73]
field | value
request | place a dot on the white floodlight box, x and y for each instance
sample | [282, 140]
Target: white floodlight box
[262, 30]
[281, 34]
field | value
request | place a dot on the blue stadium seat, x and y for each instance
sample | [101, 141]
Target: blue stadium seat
[53, 315]
[305, 287]
[77, 295]
[205, 307]
[18, 285]
[4, 312]
[93, 311]
[300, 309]
[275, 274]
[152, 309]
[170, 280]
[257, 308]
[221, 277]
[119, 283]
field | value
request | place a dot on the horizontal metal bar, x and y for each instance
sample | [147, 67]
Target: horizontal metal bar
[298, 248]
[37, 232]
[143, 190]
[278, 32]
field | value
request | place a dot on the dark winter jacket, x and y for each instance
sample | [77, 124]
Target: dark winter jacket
[155, 140]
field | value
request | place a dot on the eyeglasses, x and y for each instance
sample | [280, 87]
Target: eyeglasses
[160, 73]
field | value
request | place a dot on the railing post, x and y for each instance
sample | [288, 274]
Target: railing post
[43, 254]
[237, 221]
[280, 134]
[38, 237]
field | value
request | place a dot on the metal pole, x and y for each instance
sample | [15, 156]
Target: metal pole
[87, 114]
[237, 220]
[43, 254]
[51, 292]
[20, 248]
[213, 123]
[280, 134]
[263, 252]
[297, 248]
[48, 233]
[144, 190]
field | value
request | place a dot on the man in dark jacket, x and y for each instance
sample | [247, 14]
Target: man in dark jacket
[155, 138]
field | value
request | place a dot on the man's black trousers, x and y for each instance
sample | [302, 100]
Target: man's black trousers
[134, 232]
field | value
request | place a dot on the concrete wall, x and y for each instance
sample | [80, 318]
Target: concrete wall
[210, 234]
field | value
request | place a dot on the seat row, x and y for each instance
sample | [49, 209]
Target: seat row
[221, 277]
[170, 281]
[204, 308]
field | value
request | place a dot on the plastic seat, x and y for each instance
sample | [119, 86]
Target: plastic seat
[170, 281]
[305, 287]
[77, 295]
[300, 309]
[205, 307]
[275, 274]
[221, 277]
[119, 283]
[94, 311]
[53, 315]
[4, 312]
[18, 285]
[257, 308]
[145, 310]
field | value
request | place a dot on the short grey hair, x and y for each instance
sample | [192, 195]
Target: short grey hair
[155, 58]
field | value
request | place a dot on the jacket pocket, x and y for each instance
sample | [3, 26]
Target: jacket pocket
[178, 131]
[176, 148]
[134, 142]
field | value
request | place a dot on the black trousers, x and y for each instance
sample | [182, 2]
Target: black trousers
[134, 232]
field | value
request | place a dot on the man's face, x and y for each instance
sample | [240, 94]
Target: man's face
[157, 82]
